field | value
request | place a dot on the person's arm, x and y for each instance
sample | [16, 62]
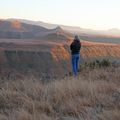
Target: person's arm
[80, 45]
[71, 46]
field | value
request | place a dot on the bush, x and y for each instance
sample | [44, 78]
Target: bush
[97, 64]
[106, 63]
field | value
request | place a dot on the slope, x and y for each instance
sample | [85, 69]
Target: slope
[94, 95]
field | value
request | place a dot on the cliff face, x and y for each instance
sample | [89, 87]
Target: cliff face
[50, 59]
[29, 48]
[53, 62]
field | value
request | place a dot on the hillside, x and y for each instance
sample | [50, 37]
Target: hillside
[96, 50]
[101, 38]
[35, 49]
[111, 35]
[49, 58]
[45, 52]
[36, 81]
[18, 30]
[94, 95]
[43, 59]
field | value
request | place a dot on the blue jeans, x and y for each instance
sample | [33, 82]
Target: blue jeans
[75, 63]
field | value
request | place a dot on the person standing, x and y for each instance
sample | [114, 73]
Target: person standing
[75, 54]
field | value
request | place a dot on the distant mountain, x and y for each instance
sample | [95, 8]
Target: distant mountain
[112, 35]
[72, 29]
[16, 29]
[19, 30]
[114, 31]
[57, 35]
[44, 51]
[38, 23]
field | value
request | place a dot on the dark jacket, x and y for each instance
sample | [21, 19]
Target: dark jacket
[75, 47]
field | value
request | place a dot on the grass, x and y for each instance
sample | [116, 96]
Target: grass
[93, 95]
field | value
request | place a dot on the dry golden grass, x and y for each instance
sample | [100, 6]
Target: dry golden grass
[93, 95]
[100, 50]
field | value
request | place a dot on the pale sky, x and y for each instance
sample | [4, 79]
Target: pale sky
[94, 14]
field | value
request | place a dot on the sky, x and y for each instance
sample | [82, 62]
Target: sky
[91, 14]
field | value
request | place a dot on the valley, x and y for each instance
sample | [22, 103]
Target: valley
[27, 48]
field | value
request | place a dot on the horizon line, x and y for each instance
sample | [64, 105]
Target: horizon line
[60, 24]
